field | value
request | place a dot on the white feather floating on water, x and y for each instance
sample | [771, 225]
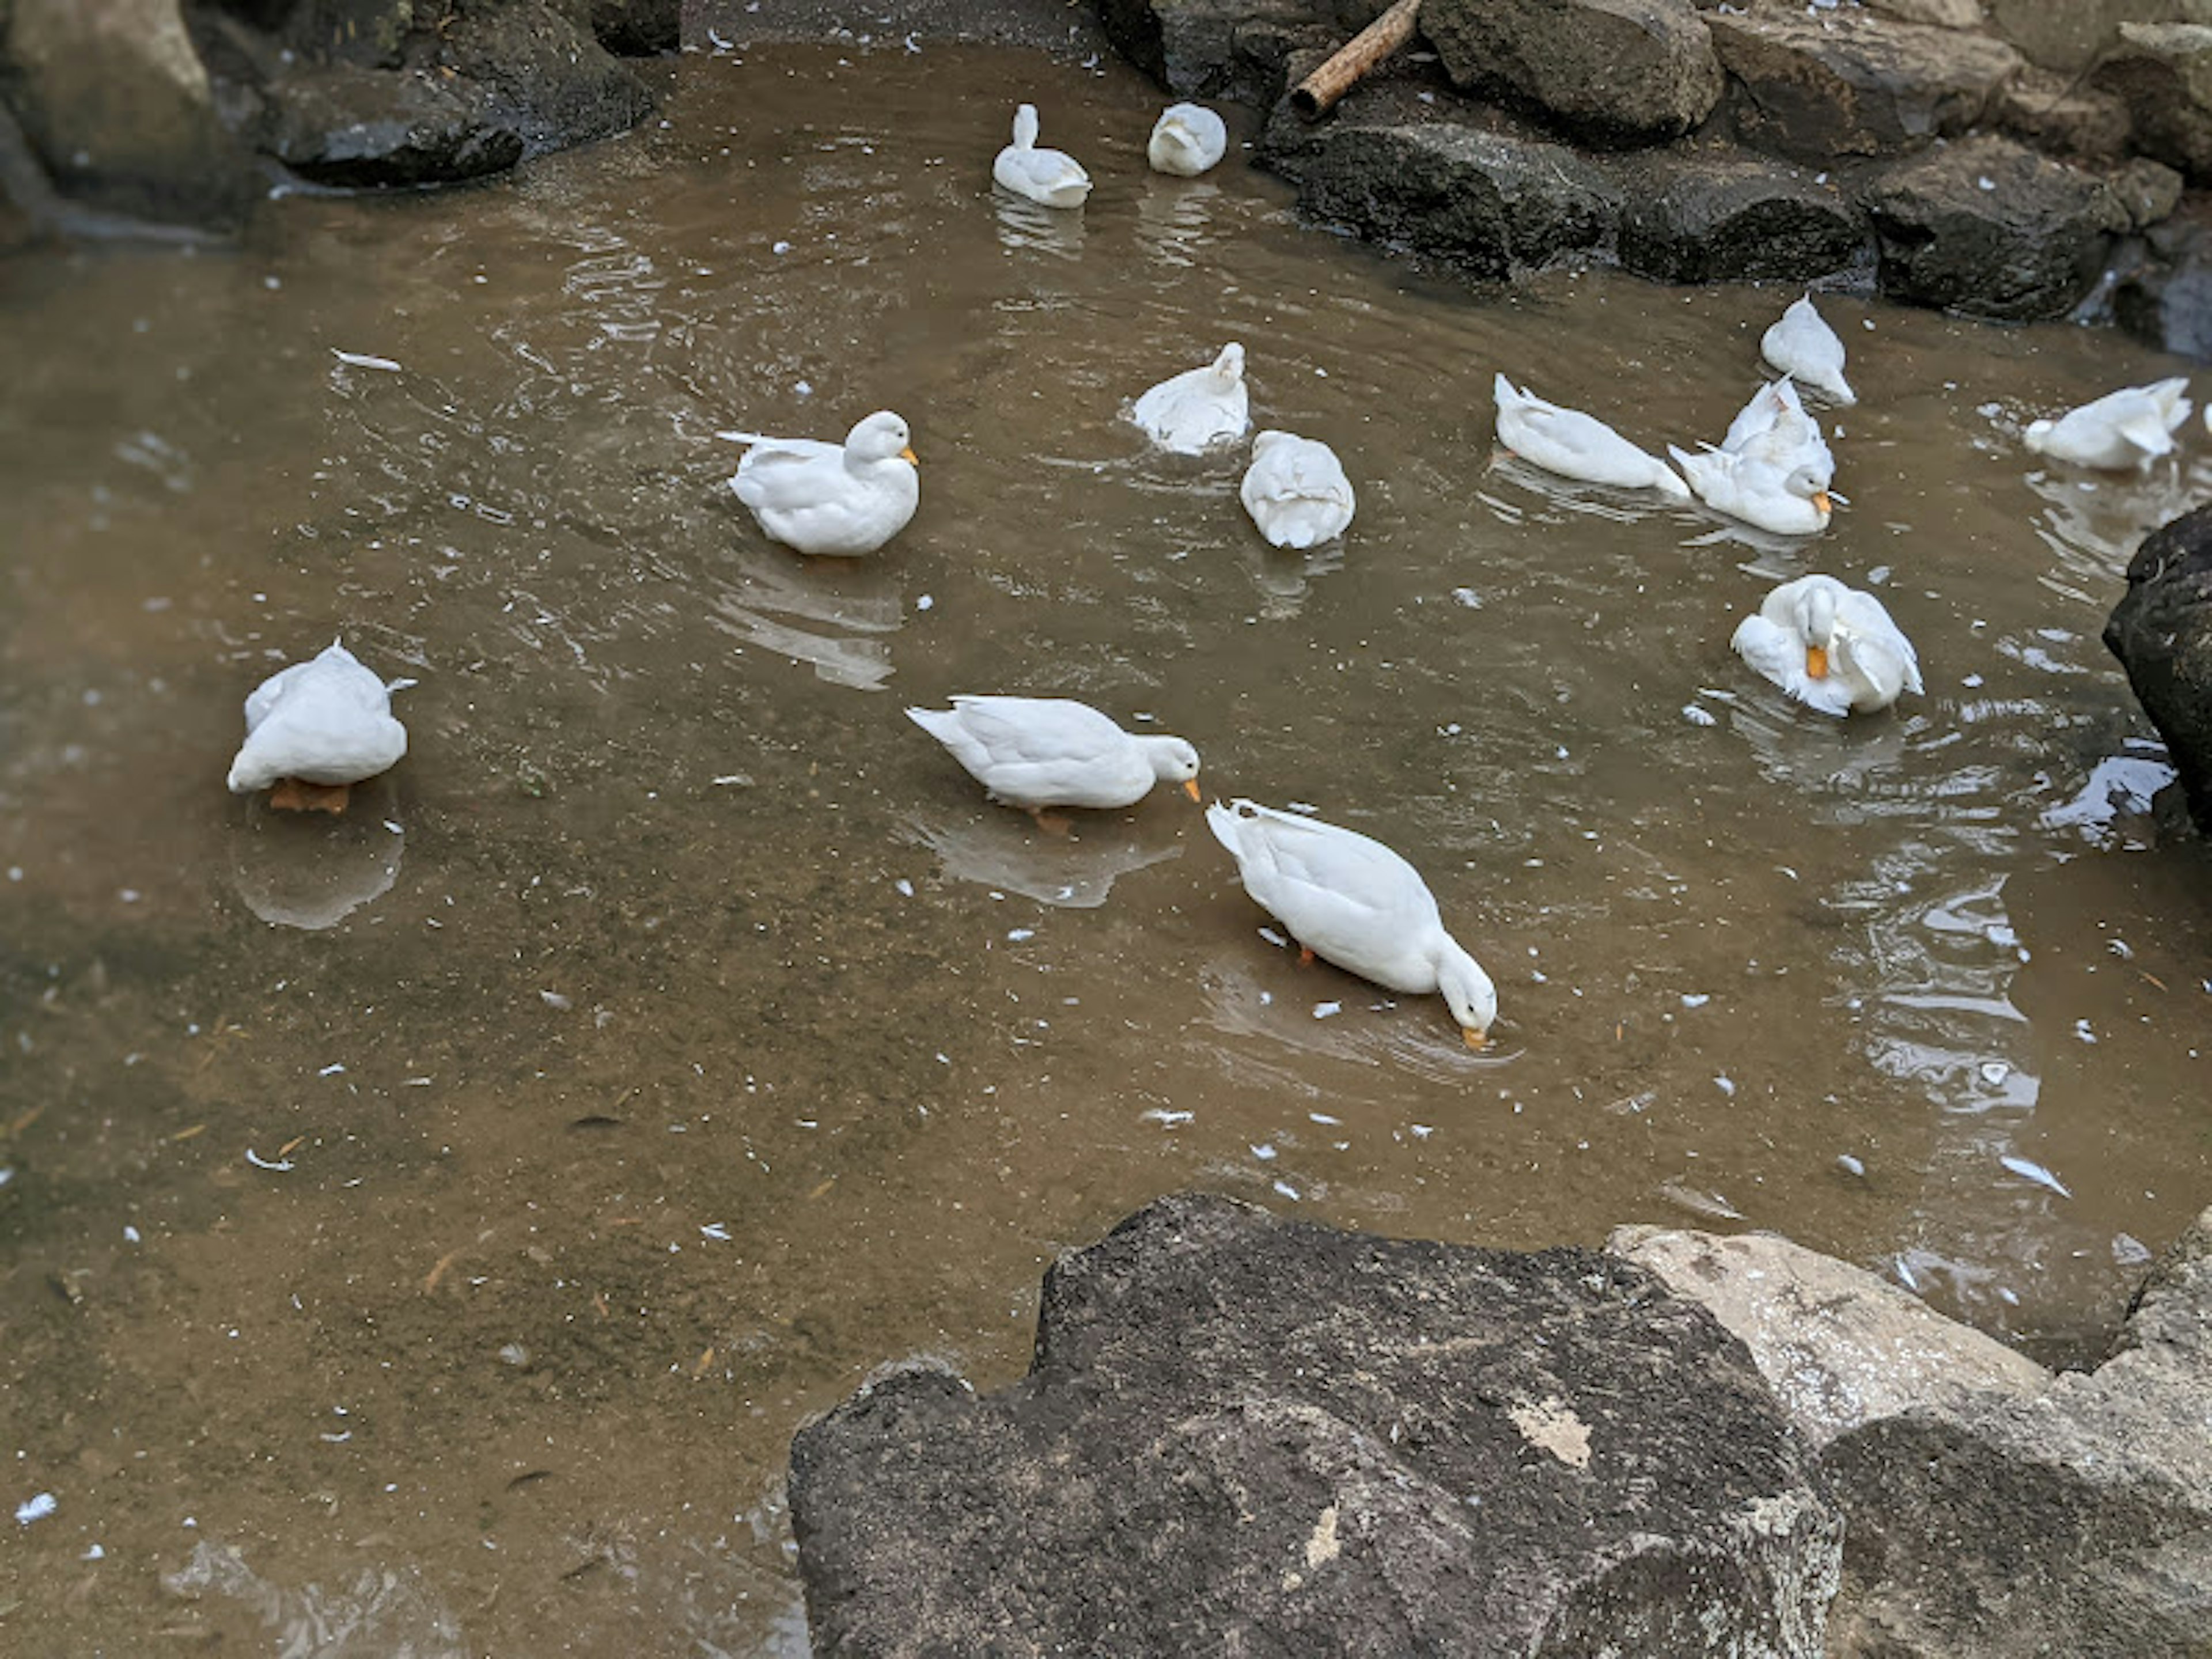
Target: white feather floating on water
[2036, 1173]
[359, 360]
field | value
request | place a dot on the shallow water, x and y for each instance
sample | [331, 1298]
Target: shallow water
[429, 1228]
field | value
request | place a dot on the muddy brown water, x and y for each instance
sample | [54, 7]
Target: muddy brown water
[425, 1232]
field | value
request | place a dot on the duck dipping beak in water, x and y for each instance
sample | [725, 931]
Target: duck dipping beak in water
[1475, 1039]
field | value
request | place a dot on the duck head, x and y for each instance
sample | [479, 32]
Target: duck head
[1025, 127]
[1229, 366]
[882, 437]
[1174, 761]
[1468, 992]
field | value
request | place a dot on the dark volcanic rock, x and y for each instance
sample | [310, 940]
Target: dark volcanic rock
[2161, 632]
[1846, 83]
[2166, 300]
[1992, 229]
[1609, 72]
[1719, 218]
[1215, 48]
[636, 28]
[1493, 202]
[549, 79]
[1246, 1436]
[360, 127]
[2163, 72]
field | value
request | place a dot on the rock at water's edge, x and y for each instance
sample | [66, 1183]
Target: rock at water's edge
[2161, 632]
[1700, 218]
[369, 127]
[1609, 72]
[1244, 1435]
[1987, 227]
[1212, 49]
[548, 78]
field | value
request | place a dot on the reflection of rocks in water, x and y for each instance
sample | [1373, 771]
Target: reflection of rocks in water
[380, 1614]
[1026, 228]
[1283, 575]
[307, 870]
[2093, 522]
[1174, 219]
[1004, 849]
[2113, 804]
[814, 610]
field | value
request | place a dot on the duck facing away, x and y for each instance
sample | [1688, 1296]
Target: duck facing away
[1191, 412]
[1832, 647]
[1577, 445]
[1042, 753]
[1050, 178]
[315, 729]
[1759, 492]
[1296, 490]
[837, 501]
[1350, 900]
[2122, 430]
[1774, 428]
[1801, 346]
[1187, 140]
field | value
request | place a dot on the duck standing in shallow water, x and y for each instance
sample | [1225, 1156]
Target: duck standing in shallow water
[1050, 178]
[2123, 430]
[1040, 752]
[1832, 647]
[1577, 445]
[1296, 490]
[315, 729]
[1189, 413]
[1801, 346]
[1350, 900]
[1187, 140]
[836, 501]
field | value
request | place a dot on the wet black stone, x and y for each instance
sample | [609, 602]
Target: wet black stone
[366, 128]
[2161, 632]
[1712, 219]
[1242, 1435]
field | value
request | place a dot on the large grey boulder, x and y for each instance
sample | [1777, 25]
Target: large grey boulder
[2069, 35]
[114, 101]
[2166, 300]
[1609, 72]
[2062, 118]
[1215, 48]
[1995, 1510]
[1839, 84]
[1241, 1434]
[547, 76]
[1730, 218]
[2161, 632]
[1990, 228]
[2163, 72]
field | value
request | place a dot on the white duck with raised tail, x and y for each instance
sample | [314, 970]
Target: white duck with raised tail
[1191, 412]
[1040, 752]
[1802, 346]
[1187, 140]
[1296, 490]
[1774, 428]
[1349, 899]
[837, 501]
[1760, 493]
[1050, 178]
[1832, 647]
[1577, 445]
[315, 728]
[2123, 430]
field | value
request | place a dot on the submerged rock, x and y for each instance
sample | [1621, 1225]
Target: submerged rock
[1732, 218]
[1245, 1435]
[1835, 83]
[1987, 227]
[1609, 72]
[2161, 632]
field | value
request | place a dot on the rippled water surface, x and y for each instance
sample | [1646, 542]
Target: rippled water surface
[429, 1228]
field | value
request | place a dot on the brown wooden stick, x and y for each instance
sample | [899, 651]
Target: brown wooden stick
[1342, 72]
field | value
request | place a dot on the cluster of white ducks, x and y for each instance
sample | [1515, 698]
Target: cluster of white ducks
[319, 727]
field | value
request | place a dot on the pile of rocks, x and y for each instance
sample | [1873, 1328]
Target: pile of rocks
[1995, 158]
[163, 109]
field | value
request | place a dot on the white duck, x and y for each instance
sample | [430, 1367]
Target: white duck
[1831, 646]
[316, 728]
[1296, 490]
[1187, 140]
[1348, 898]
[1762, 495]
[835, 500]
[1802, 346]
[2125, 429]
[1191, 412]
[1050, 178]
[1040, 752]
[1577, 445]
[1773, 428]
